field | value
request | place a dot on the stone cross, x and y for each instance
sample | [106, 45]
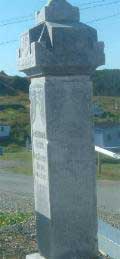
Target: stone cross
[59, 54]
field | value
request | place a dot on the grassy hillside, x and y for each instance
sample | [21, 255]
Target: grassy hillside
[13, 85]
[106, 82]
[111, 108]
[14, 110]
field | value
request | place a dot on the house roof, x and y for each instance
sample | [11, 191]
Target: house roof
[4, 124]
[106, 126]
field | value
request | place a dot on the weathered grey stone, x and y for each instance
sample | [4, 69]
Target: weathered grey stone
[64, 167]
[56, 48]
[34, 256]
[37, 256]
[58, 11]
[59, 54]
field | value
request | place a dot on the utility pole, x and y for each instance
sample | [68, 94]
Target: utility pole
[99, 164]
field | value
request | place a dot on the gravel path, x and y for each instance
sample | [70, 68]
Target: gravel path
[108, 196]
[108, 192]
[16, 194]
[10, 164]
[16, 183]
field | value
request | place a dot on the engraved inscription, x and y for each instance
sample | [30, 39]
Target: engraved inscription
[39, 142]
[40, 167]
[37, 104]
[39, 134]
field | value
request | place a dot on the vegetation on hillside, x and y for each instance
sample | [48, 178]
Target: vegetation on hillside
[13, 85]
[14, 107]
[106, 82]
[110, 106]
[14, 110]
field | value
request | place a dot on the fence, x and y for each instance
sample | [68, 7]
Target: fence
[108, 191]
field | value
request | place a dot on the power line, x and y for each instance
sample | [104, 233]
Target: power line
[30, 17]
[92, 2]
[104, 18]
[16, 18]
[101, 5]
[16, 22]
[7, 42]
[90, 21]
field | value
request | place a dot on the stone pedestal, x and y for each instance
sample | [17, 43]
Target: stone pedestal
[59, 54]
[37, 256]
[64, 166]
[34, 256]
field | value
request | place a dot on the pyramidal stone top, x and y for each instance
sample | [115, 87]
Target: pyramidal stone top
[59, 44]
[59, 11]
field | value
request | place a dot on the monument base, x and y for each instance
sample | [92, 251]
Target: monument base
[34, 256]
[38, 256]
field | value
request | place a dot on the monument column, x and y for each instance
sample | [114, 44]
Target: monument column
[59, 54]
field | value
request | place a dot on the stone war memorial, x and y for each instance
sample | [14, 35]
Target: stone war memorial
[59, 55]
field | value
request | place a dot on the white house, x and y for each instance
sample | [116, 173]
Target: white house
[107, 136]
[4, 131]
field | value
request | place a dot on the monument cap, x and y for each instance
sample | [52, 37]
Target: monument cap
[59, 44]
[59, 11]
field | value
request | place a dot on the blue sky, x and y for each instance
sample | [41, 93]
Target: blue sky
[108, 30]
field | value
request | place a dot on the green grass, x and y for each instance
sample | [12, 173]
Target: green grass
[109, 172]
[24, 155]
[20, 170]
[110, 168]
[8, 219]
[24, 160]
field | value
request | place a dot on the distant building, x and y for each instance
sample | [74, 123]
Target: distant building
[4, 131]
[97, 110]
[107, 136]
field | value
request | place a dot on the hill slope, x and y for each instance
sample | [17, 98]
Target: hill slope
[13, 85]
[106, 82]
